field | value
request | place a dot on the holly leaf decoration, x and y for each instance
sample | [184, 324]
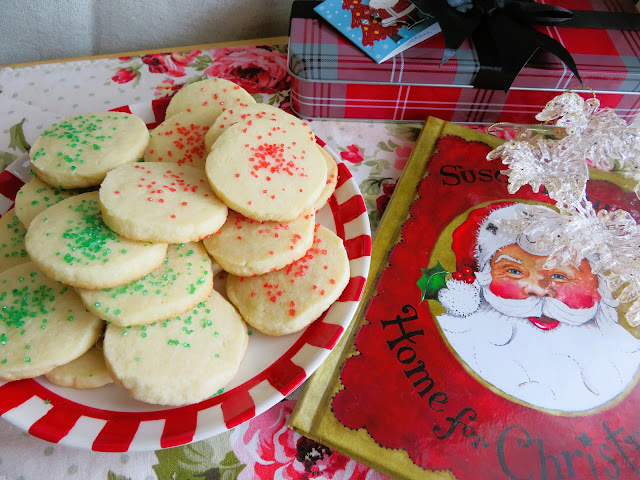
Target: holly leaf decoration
[432, 281]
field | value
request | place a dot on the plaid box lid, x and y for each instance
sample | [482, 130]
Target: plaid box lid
[606, 59]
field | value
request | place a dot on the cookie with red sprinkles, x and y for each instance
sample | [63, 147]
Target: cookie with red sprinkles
[79, 151]
[243, 246]
[161, 202]
[214, 94]
[180, 139]
[266, 170]
[289, 299]
[246, 116]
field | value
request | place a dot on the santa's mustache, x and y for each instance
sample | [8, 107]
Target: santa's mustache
[539, 306]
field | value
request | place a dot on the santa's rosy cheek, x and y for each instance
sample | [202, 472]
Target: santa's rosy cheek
[577, 296]
[506, 288]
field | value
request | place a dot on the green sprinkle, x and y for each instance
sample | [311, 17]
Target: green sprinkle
[27, 359]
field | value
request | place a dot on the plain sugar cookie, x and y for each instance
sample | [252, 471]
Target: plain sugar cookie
[85, 372]
[36, 196]
[247, 247]
[12, 249]
[266, 171]
[286, 301]
[79, 151]
[332, 180]
[184, 279]
[70, 243]
[215, 94]
[181, 360]
[180, 139]
[173, 204]
[43, 323]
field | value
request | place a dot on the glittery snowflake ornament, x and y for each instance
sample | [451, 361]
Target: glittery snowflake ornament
[558, 157]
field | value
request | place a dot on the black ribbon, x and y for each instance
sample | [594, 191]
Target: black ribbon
[502, 35]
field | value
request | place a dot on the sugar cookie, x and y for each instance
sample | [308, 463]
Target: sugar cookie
[180, 138]
[332, 180]
[79, 151]
[182, 360]
[246, 115]
[216, 94]
[12, 233]
[69, 242]
[43, 323]
[183, 280]
[85, 372]
[265, 171]
[286, 301]
[173, 204]
[36, 196]
[247, 247]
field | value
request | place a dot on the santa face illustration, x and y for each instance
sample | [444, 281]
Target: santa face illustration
[548, 337]
[389, 12]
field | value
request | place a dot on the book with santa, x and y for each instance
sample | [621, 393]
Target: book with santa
[499, 334]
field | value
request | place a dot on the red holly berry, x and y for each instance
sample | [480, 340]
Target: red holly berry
[457, 276]
[468, 279]
[466, 270]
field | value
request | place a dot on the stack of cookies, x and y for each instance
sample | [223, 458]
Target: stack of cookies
[107, 263]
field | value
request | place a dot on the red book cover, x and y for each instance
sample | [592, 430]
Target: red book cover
[468, 359]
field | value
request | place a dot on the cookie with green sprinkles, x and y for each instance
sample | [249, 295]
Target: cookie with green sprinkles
[214, 94]
[12, 249]
[69, 242]
[182, 360]
[289, 299]
[36, 196]
[184, 279]
[85, 372]
[79, 151]
[173, 203]
[43, 323]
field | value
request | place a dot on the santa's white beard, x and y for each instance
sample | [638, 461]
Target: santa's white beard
[569, 368]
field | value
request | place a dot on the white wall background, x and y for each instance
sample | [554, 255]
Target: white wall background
[32, 30]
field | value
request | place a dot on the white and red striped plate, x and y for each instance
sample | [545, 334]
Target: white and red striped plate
[108, 420]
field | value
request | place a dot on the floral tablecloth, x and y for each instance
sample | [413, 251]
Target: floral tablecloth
[32, 97]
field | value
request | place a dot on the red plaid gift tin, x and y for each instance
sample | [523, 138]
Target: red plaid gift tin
[332, 78]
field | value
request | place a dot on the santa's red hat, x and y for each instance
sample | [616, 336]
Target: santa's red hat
[483, 233]
[465, 238]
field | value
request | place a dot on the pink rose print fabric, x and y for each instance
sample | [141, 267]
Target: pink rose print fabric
[353, 154]
[271, 450]
[172, 64]
[258, 70]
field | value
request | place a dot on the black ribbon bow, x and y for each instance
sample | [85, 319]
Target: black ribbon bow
[502, 34]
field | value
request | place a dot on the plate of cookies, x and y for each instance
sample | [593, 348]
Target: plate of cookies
[169, 271]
